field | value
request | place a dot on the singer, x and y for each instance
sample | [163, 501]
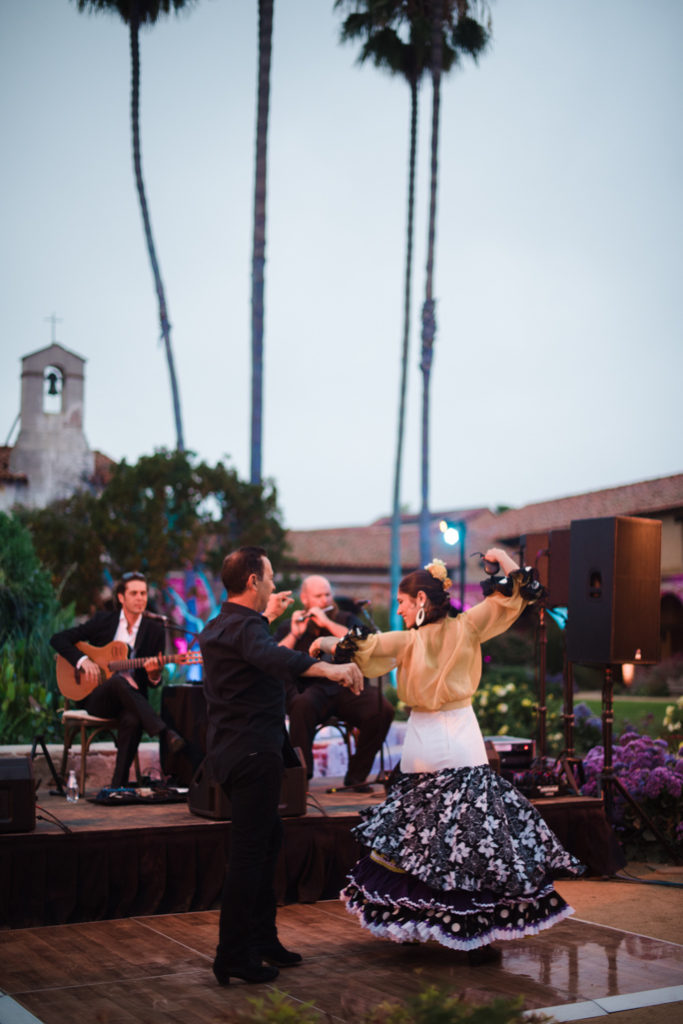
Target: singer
[310, 702]
[123, 696]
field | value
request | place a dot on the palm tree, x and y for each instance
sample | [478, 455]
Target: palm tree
[384, 46]
[378, 23]
[265, 14]
[136, 13]
[450, 23]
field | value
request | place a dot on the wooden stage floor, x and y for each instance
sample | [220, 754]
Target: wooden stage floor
[158, 969]
[614, 958]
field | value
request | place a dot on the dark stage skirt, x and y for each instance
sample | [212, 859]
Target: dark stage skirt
[459, 857]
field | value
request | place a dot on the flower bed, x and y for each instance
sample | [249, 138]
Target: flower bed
[653, 775]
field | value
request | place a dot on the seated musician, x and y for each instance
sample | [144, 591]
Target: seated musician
[124, 694]
[312, 701]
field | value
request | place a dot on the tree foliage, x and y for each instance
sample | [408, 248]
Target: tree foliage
[29, 614]
[166, 512]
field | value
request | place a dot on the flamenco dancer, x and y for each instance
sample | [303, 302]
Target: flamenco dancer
[459, 856]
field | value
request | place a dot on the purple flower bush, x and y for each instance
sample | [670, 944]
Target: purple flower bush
[652, 774]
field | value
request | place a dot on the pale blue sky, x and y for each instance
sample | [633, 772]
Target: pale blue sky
[557, 365]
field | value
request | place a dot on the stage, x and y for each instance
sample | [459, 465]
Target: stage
[87, 862]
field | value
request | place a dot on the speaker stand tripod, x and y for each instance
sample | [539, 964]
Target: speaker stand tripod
[608, 781]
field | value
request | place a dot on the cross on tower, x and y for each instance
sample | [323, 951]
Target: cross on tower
[54, 320]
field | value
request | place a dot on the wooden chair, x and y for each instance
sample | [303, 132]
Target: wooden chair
[79, 723]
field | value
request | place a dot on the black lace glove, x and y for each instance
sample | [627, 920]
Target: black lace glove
[529, 586]
[348, 645]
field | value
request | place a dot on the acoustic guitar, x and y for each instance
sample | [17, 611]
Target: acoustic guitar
[111, 658]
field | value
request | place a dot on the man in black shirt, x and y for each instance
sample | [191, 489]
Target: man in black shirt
[245, 672]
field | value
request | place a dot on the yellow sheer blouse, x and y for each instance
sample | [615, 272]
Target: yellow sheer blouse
[439, 665]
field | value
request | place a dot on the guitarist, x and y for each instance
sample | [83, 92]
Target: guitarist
[124, 695]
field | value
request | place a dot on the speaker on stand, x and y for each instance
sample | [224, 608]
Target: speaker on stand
[548, 553]
[614, 617]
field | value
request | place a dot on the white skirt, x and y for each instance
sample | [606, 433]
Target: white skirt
[436, 740]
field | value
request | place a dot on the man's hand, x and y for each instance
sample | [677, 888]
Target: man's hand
[91, 670]
[319, 616]
[346, 675]
[152, 667]
[277, 603]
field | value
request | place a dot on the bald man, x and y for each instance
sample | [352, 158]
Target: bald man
[310, 702]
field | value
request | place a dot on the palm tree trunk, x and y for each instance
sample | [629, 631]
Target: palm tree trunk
[259, 244]
[137, 164]
[396, 507]
[428, 318]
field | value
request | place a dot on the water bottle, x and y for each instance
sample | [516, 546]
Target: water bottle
[72, 788]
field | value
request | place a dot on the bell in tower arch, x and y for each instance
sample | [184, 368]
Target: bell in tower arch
[53, 387]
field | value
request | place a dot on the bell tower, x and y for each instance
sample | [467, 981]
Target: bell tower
[51, 450]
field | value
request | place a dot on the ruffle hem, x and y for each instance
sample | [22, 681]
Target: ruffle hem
[459, 857]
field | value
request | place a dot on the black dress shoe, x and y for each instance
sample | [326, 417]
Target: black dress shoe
[277, 955]
[253, 974]
[175, 742]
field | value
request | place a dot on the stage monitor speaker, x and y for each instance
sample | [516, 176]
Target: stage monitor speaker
[206, 798]
[17, 795]
[548, 553]
[614, 591]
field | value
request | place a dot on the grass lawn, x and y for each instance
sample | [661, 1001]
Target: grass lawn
[645, 714]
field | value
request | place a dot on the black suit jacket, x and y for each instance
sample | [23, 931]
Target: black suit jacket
[101, 630]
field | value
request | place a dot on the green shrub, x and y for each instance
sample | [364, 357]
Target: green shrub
[29, 615]
[506, 704]
[430, 1006]
[276, 1008]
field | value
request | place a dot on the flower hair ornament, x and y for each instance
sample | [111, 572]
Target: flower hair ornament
[438, 570]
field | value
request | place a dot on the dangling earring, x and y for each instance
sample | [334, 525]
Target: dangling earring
[420, 617]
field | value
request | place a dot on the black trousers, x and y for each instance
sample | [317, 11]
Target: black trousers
[116, 698]
[363, 711]
[248, 907]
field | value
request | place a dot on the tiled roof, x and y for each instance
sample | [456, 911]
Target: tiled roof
[6, 476]
[367, 548]
[646, 498]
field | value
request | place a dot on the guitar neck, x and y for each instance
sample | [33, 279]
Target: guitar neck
[133, 663]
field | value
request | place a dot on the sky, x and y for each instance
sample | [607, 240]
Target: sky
[559, 257]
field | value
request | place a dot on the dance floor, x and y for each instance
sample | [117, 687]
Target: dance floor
[158, 969]
[111, 915]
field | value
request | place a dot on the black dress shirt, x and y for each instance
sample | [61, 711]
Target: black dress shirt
[245, 673]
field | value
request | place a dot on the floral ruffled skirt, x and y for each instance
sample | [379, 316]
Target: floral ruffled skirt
[459, 857]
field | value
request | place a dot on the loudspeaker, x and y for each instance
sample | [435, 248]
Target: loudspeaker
[207, 799]
[17, 795]
[548, 553]
[614, 591]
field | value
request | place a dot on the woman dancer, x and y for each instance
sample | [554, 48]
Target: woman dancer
[458, 856]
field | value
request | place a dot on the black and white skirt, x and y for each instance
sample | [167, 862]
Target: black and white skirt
[460, 857]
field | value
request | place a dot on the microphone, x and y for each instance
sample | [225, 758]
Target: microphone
[361, 601]
[154, 616]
